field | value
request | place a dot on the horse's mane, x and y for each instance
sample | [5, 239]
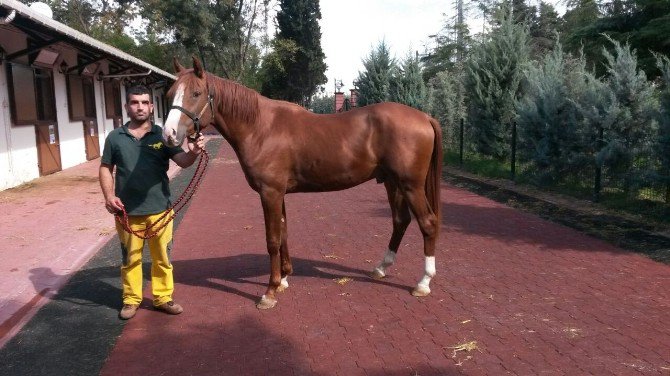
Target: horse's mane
[234, 99]
[231, 98]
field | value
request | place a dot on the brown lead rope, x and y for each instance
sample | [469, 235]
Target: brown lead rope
[149, 232]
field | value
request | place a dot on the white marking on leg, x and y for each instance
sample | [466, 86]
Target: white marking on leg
[284, 282]
[388, 260]
[424, 283]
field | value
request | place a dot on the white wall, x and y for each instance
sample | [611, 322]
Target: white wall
[70, 133]
[18, 153]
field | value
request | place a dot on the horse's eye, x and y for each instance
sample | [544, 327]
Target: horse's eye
[196, 94]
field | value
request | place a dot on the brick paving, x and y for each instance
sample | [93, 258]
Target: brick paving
[514, 294]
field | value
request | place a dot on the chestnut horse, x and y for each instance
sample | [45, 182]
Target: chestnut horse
[283, 148]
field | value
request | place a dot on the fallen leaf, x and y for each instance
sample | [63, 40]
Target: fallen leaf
[343, 280]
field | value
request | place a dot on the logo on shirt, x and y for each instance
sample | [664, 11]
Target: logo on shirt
[156, 146]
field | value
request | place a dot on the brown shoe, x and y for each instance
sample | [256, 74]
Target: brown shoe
[128, 311]
[171, 308]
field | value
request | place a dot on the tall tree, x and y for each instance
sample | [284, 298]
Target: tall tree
[663, 139]
[407, 86]
[544, 30]
[494, 73]
[629, 140]
[644, 24]
[451, 44]
[374, 83]
[303, 71]
[547, 119]
[225, 34]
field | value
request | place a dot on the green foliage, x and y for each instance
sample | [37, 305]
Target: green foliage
[223, 34]
[323, 104]
[494, 73]
[451, 45]
[644, 24]
[547, 126]
[662, 143]
[407, 86]
[303, 68]
[374, 83]
[630, 135]
[446, 102]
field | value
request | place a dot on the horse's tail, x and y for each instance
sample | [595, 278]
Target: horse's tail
[434, 178]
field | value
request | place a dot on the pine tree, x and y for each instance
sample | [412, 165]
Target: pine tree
[451, 44]
[407, 86]
[628, 142]
[544, 30]
[446, 103]
[302, 71]
[374, 83]
[494, 73]
[663, 138]
[547, 117]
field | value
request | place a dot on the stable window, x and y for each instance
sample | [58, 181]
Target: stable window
[112, 99]
[31, 94]
[81, 97]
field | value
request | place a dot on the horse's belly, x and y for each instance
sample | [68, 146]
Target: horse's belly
[324, 181]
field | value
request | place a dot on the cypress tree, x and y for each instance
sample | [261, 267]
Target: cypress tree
[493, 76]
[374, 83]
[407, 86]
[547, 119]
[663, 139]
[628, 142]
[298, 63]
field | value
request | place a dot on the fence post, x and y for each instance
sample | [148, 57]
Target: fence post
[460, 144]
[513, 167]
[597, 184]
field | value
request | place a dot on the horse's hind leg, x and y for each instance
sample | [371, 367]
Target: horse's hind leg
[428, 223]
[286, 267]
[401, 219]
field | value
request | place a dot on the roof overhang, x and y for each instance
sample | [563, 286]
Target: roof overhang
[46, 32]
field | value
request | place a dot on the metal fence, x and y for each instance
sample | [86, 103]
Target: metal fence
[596, 184]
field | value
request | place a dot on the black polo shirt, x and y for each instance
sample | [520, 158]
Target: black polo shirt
[141, 179]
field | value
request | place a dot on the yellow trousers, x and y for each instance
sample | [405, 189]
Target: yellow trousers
[162, 282]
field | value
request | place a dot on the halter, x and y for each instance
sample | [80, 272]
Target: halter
[196, 118]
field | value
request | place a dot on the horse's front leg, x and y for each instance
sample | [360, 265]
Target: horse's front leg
[286, 267]
[272, 210]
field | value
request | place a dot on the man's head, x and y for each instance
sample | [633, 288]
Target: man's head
[138, 103]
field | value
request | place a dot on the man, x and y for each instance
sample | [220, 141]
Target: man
[141, 187]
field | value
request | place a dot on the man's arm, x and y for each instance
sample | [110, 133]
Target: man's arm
[186, 159]
[112, 203]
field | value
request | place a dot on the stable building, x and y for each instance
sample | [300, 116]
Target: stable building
[61, 93]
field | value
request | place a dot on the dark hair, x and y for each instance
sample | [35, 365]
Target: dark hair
[137, 90]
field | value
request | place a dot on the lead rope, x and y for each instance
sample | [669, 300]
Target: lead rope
[149, 232]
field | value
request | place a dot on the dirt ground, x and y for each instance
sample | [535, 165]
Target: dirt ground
[626, 231]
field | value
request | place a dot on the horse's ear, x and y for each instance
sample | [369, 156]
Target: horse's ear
[197, 68]
[177, 67]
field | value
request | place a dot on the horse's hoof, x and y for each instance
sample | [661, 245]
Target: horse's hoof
[421, 291]
[377, 274]
[266, 303]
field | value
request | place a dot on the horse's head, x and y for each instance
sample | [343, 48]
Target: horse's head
[192, 104]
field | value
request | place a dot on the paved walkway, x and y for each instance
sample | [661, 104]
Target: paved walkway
[515, 294]
[49, 228]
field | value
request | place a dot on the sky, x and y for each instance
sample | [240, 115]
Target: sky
[350, 29]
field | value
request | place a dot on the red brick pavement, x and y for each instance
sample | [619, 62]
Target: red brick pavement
[529, 296]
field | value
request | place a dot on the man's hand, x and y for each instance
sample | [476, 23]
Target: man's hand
[114, 205]
[196, 147]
